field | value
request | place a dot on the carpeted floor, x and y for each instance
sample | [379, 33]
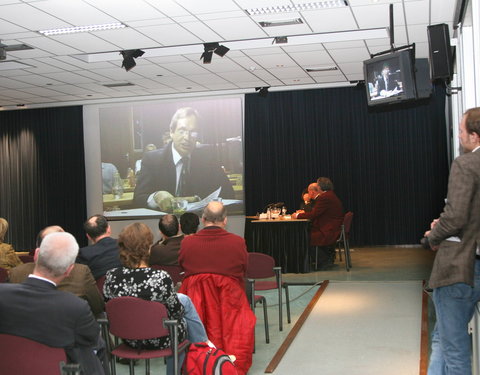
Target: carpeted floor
[361, 328]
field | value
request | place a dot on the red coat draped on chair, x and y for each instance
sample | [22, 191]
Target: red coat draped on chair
[224, 309]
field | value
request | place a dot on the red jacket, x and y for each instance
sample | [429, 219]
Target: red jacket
[226, 314]
[214, 250]
[326, 217]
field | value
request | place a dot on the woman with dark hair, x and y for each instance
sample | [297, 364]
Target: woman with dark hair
[137, 279]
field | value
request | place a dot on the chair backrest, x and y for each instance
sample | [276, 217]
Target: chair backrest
[347, 222]
[21, 356]
[260, 266]
[26, 258]
[136, 319]
[175, 272]
[3, 275]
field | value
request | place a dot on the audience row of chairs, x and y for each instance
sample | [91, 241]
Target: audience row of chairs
[152, 319]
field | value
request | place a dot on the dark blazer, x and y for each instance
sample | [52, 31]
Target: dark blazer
[391, 84]
[80, 282]
[36, 310]
[326, 219]
[158, 173]
[166, 253]
[100, 257]
[455, 261]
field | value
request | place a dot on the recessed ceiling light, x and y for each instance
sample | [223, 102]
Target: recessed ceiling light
[119, 84]
[297, 7]
[321, 69]
[83, 29]
[293, 21]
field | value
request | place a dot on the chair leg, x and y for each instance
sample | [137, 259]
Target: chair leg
[131, 367]
[278, 276]
[339, 251]
[316, 258]
[348, 260]
[265, 318]
[287, 302]
[147, 366]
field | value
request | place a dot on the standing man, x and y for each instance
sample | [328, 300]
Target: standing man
[35, 309]
[180, 169]
[165, 251]
[104, 254]
[213, 249]
[455, 236]
[326, 220]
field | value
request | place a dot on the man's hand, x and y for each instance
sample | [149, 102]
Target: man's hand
[163, 199]
[191, 199]
[298, 212]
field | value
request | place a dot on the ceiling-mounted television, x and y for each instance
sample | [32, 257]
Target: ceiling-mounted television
[390, 78]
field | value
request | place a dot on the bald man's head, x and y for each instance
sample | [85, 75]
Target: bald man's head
[215, 213]
[47, 230]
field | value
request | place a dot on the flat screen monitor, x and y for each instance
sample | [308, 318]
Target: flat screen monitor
[390, 78]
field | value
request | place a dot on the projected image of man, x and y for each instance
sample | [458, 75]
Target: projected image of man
[181, 169]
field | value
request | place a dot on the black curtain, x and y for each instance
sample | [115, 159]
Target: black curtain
[42, 173]
[388, 164]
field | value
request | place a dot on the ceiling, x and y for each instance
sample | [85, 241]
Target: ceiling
[57, 70]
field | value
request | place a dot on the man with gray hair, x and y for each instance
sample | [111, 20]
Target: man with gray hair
[80, 281]
[36, 310]
[213, 249]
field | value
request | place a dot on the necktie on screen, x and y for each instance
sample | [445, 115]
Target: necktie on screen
[182, 182]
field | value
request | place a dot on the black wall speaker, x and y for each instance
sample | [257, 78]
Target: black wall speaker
[440, 51]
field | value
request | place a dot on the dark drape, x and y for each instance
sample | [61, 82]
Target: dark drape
[42, 172]
[389, 165]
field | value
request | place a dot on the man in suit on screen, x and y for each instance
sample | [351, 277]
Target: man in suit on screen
[180, 169]
[455, 276]
[36, 310]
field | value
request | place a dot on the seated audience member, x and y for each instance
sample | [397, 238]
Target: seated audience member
[165, 251]
[108, 177]
[215, 263]
[326, 220]
[8, 257]
[80, 281]
[137, 279]
[213, 249]
[103, 255]
[189, 223]
[36, 310]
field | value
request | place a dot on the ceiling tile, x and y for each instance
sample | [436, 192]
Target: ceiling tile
[170, 35]
[442, 11]
[418, 33]
[349, 55]
[236, 28]
[130, 11]
[51, 46]
[273, 61]
[329, 20]
[417, 12]
[75, 12]
[127, 38]
[381, 18]
[30, 18]
[85, 42]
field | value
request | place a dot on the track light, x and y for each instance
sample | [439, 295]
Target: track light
[210, 48]
[262, 91]
[128, 58]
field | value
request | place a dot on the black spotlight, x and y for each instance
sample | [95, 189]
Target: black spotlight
[209, 48]
[128, 58]
[221, 50]
[262, 91]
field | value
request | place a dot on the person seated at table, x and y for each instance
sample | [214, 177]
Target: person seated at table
[307, 202]
[8, 257]
[326, 220]
[137, 279]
